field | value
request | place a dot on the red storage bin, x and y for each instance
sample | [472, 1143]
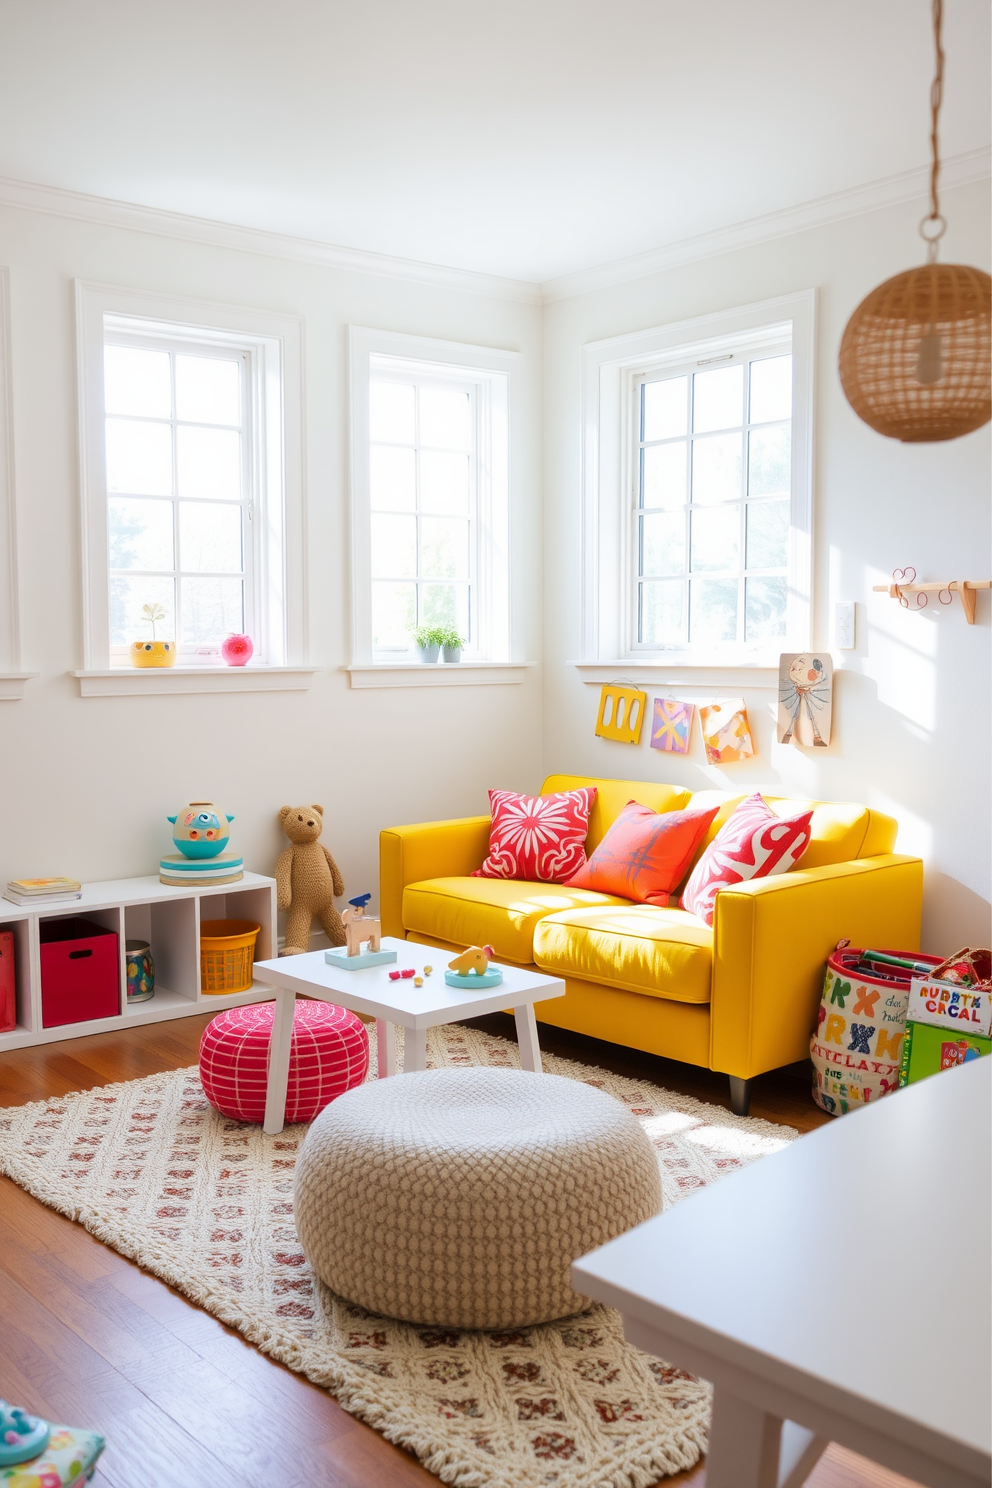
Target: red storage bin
[8, 987]
[80, 972]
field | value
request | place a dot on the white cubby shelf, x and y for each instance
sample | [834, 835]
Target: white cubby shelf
[168, 917]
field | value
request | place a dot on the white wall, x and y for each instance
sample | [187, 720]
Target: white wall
[911, 705]
[86, 784]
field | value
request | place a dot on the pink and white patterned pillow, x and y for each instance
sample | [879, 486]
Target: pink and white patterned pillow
[537, 838]
[752, 843]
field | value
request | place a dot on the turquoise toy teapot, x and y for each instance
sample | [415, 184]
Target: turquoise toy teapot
[21, 1436]
[200, 830]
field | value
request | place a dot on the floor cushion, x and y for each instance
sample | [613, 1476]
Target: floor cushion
[459, 1198]
[328, 1055]
[500, 912]
[660, 952]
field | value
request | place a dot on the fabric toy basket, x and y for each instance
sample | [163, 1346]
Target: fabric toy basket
[227, 954]
[856, 1047]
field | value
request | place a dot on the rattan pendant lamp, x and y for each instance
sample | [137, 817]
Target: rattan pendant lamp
[914, 359]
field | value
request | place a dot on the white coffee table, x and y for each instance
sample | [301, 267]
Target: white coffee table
[415, 1009]
[838, 1289]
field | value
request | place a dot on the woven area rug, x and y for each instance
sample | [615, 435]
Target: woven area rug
[205, 1204]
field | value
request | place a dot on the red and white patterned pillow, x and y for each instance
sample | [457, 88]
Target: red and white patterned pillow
[537, 838]
[752, 843]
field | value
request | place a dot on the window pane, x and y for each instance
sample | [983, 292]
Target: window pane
[139, 458]
[128, 595]
[137, 382]
[445, 604]
[716, 469]
[764, 610]
[660, 620]
[209, 463]
[767, 534]
[394, 547]
[771, 389]
[444, 483]
[712, 610]
[394, 614]
[663, 544]
[663, 473]
[715, 537]
[443, 548]
[208, 390]
[770, 461]
[209, 537]
[664, 408]
[139, 533]
[718, 399]
[445, 420]
[393, 478]
[391, 413]
[211, 609]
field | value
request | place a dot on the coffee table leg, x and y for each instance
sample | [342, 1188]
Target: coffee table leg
[745, 1444]
[385, 1044]
[530, 1049]
[415, 1050]
[279, 1051]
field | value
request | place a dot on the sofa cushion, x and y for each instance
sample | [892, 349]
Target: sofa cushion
[613, 795]
[501, 912]
[645, 854]
[840, 830]
[659, 952]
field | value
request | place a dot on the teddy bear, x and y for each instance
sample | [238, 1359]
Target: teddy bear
[307, 880]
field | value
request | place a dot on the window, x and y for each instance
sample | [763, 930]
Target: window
[697, 515]
[192, 499]
[430, 495]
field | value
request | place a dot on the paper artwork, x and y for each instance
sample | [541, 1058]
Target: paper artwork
[805, 699]
[621, 713]
[672, 725]
[726, 732]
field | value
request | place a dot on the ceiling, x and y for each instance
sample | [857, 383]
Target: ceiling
[528, 138]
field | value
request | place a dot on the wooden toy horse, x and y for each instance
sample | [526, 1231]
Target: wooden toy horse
[359, 927]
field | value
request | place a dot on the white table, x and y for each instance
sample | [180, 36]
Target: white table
[370, 992]
[839, 1287]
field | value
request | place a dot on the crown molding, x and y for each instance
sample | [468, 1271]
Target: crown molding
[957, 170]
[108, 213]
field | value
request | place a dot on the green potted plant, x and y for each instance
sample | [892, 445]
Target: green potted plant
[428, 640]
[451, 643]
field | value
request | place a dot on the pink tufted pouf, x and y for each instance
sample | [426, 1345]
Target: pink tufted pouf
[329, 1054]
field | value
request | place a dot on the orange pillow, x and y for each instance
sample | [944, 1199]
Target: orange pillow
[645, 854]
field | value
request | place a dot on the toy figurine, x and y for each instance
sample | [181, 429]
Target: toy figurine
[21, 1436]
[472, 970]
[360, 927]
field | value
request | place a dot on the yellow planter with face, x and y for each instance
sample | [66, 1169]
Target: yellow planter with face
[153, 653]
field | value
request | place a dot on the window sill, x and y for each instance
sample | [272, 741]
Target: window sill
[682, 673]
[168, 681]
[438, 674]
[12, 685]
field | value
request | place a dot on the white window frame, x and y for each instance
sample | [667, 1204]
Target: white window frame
[612, 370]
[491, 372]
[274, 346]
[12, 680]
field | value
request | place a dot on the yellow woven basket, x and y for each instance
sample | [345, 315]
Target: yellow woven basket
[227, 952]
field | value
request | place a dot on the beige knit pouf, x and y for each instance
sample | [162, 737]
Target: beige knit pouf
[460, 1198]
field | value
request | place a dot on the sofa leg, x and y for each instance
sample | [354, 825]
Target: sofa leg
[740, 1095]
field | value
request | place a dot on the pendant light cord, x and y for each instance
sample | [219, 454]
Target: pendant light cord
[936, 98]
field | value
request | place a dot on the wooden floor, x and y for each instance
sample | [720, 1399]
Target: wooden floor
[88, 1339]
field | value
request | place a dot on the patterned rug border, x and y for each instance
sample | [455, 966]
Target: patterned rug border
[349, 1386]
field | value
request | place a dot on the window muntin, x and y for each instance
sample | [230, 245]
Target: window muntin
[712, 502]
[424, 505]
[180, 476]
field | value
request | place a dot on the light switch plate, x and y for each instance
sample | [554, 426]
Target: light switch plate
[844, 612]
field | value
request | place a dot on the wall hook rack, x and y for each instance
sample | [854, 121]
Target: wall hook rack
[914, 596]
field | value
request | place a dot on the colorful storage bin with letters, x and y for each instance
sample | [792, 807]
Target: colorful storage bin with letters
[949, 1016]
[856, 1048]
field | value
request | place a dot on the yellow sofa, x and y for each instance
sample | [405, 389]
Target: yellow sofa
[740, 997]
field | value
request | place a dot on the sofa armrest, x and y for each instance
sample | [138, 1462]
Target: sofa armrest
[444, 849]
[771, 940]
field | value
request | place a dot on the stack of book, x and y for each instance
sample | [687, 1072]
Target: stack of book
[42, 890]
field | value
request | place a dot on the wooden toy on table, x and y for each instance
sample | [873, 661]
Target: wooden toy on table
[472, 969]
[360, 929]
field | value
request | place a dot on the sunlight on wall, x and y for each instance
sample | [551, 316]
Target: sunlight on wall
[902, 657]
